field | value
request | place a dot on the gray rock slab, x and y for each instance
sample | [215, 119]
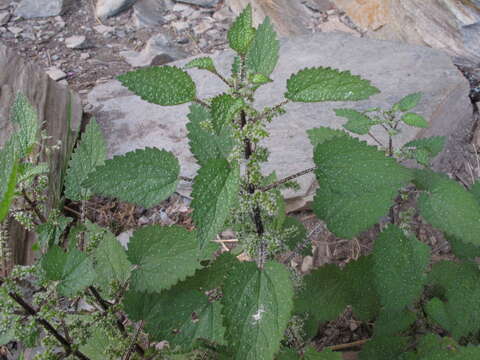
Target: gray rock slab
[397, 69]
[108, 8]
[160, 48]
[30, 9]
[202, 3]
[148, 13]
[4, 17]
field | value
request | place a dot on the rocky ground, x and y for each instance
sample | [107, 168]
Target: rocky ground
[81, 47]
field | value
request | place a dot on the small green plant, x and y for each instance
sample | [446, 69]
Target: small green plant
[171, 284]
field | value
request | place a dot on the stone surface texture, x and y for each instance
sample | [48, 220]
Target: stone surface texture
[159, 46]
[29, 9]
[107, 8]
[396, 69]
[51, 103]
[149, 13]
[450, 25]
[289, 17]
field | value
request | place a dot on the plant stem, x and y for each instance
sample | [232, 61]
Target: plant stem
[105, 305]
[349, 345]
[185, 178]
[287, 179]
[35, 209]
[201, 102]
[375, 139]
[66, 344]
[221, 77]
[272, 110]
[256, 212]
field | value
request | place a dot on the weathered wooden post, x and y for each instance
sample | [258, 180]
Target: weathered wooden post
[59, 114]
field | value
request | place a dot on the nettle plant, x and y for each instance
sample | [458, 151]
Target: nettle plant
[92, 299]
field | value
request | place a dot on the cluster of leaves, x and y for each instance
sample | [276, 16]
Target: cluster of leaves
[169, 284]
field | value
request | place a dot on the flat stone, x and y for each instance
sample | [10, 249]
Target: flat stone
[77, 42]
[185, 10]
[56, 74]
[148, 13]
[159, 50]
[29, 9]
[202, 3]
[4, 17]
[396, 69]
[180, 25]
[4, 4]
[15, 30]
[108, 8]
[103, 29]
[450, 25]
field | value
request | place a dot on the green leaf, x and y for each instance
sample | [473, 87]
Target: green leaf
[25, 116]
[90, 153]
[434, 145]
[358, 278]
[415, 120]
[202, 63]
[73, 270]
[49, 233]
[321, 134]
[204, 145]
[425, 149]
[287, 354]
[162, 256]
[352, 174]
[111, 263]
[262, 57]
[28, 171]
[161, 85]
[183, 313]
[259, 79]
[336, 289]
[8, 177]
[433, 347]
[296, 237]
[391, 323]
[327, 354]
[224, 109]
[384, 347]
[241, 33]
[145, 177]
[358, 123]
[97, 345]
[462, 250]
[327, 84]
[214, 192]
[452, 209]
[400, 263]
[257, 305]
[408, 102]
[475, 190]
[324, 286]
[457, 286]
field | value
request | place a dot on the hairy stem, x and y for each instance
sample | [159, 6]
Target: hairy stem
[221, 77]
[66, 344]
[201, 102]
[34, 207]
[287, 179]
[105, 305]
[375, 139]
